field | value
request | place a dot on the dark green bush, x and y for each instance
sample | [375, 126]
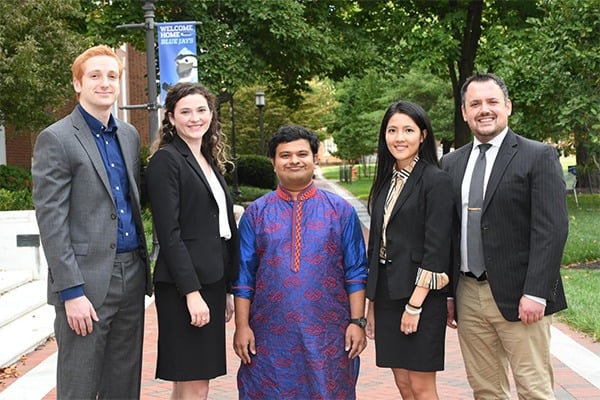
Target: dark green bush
[257, 171]
[14, 178]
[15, 200]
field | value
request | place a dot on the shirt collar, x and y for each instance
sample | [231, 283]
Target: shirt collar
[94, 123]
[406, 171]
[495, 142]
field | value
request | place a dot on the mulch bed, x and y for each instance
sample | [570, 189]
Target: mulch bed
[587, 265]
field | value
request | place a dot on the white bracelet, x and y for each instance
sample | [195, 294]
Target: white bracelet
[412, 312]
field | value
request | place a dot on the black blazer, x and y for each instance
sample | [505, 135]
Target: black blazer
[524, 222]
[418, 232]
[186, 218]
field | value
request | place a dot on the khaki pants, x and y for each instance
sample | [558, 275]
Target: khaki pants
[490, 344]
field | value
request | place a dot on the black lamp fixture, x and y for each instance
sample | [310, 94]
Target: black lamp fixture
[259, 100]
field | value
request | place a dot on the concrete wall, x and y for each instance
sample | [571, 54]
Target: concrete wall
[21, 224]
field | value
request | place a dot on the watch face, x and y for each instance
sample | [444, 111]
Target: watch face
[362, 322]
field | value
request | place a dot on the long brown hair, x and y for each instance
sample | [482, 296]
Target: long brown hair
[213, 146]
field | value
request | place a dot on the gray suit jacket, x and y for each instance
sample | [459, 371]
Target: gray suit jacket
[524, 222]
[75, 208]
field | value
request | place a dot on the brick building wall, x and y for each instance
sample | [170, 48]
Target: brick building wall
[136, 93]
[19, 146]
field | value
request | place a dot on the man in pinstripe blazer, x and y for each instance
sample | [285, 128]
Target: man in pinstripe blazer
[504, 314]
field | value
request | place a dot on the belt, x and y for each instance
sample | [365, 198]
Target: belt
[469, 274]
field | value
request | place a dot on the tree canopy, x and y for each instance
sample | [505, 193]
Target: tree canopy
[553, 68]
[38, 42]
[334, 65]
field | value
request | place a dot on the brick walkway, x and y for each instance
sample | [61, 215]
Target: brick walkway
[373, 384]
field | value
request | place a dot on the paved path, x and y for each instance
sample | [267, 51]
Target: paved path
[576, 361]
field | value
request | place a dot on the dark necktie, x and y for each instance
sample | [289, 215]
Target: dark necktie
[474, 246]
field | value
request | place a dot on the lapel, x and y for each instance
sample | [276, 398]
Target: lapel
[84, 136]
[507, 151]
[128, 145]
[411, 182]
[458, 172]
[186, 153]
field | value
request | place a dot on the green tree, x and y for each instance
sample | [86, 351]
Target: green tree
[556, 90]
[363, 101]
[38, 42]
[446, 37]
[311, 113]
[281, 44]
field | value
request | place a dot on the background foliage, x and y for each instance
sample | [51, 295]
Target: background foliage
[38, 42]
[334, 65]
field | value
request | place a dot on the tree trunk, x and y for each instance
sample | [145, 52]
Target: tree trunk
[469, 40]
[588, 174]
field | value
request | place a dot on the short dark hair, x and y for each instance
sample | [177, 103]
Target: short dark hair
[290, 133]
[483, 77]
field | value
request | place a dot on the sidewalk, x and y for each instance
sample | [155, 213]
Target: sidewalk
[576, 361]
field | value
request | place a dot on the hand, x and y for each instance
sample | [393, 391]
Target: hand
[409, 323]
[80, 314]
[198, 309]
[451, 317]
[370, 328]
[530, 311]
[244, 343]
[356, 340]
[229, 308]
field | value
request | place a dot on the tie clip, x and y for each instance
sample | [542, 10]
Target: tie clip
[473, 209]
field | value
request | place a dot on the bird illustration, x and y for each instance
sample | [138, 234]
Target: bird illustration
[186, 66]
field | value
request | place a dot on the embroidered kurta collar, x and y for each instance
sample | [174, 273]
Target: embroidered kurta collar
[307, 193]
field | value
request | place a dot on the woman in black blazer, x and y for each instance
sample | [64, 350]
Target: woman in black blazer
[409, 252]
[198, 258]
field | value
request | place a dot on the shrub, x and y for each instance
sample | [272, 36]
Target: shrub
[14, 178]
[257, 171]
[15, 200]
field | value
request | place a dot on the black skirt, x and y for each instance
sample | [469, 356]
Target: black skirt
[420, 351]
[186, 352]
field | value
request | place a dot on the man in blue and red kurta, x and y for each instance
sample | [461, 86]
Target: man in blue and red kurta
[300, 295]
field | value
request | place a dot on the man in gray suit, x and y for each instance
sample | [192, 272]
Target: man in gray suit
[85, 190]
[507, 267]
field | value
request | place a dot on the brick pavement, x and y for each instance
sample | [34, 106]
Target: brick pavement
[373, 383]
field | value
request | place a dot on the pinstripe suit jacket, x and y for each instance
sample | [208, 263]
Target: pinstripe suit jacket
[75, 209]
[524, 222]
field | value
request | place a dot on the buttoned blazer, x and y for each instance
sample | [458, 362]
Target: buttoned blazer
[524, 222]
[418, 233]
[186, 218]
[75, 209]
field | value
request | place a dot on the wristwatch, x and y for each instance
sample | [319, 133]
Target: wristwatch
[362, 321]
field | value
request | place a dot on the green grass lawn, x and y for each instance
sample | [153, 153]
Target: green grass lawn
[582, 286]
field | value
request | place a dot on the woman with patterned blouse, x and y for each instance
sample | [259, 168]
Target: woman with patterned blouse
[409, 252]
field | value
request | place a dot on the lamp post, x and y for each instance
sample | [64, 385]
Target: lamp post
[259, 99]
[152, 106]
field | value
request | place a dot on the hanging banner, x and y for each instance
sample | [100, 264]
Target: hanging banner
[177, 59]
